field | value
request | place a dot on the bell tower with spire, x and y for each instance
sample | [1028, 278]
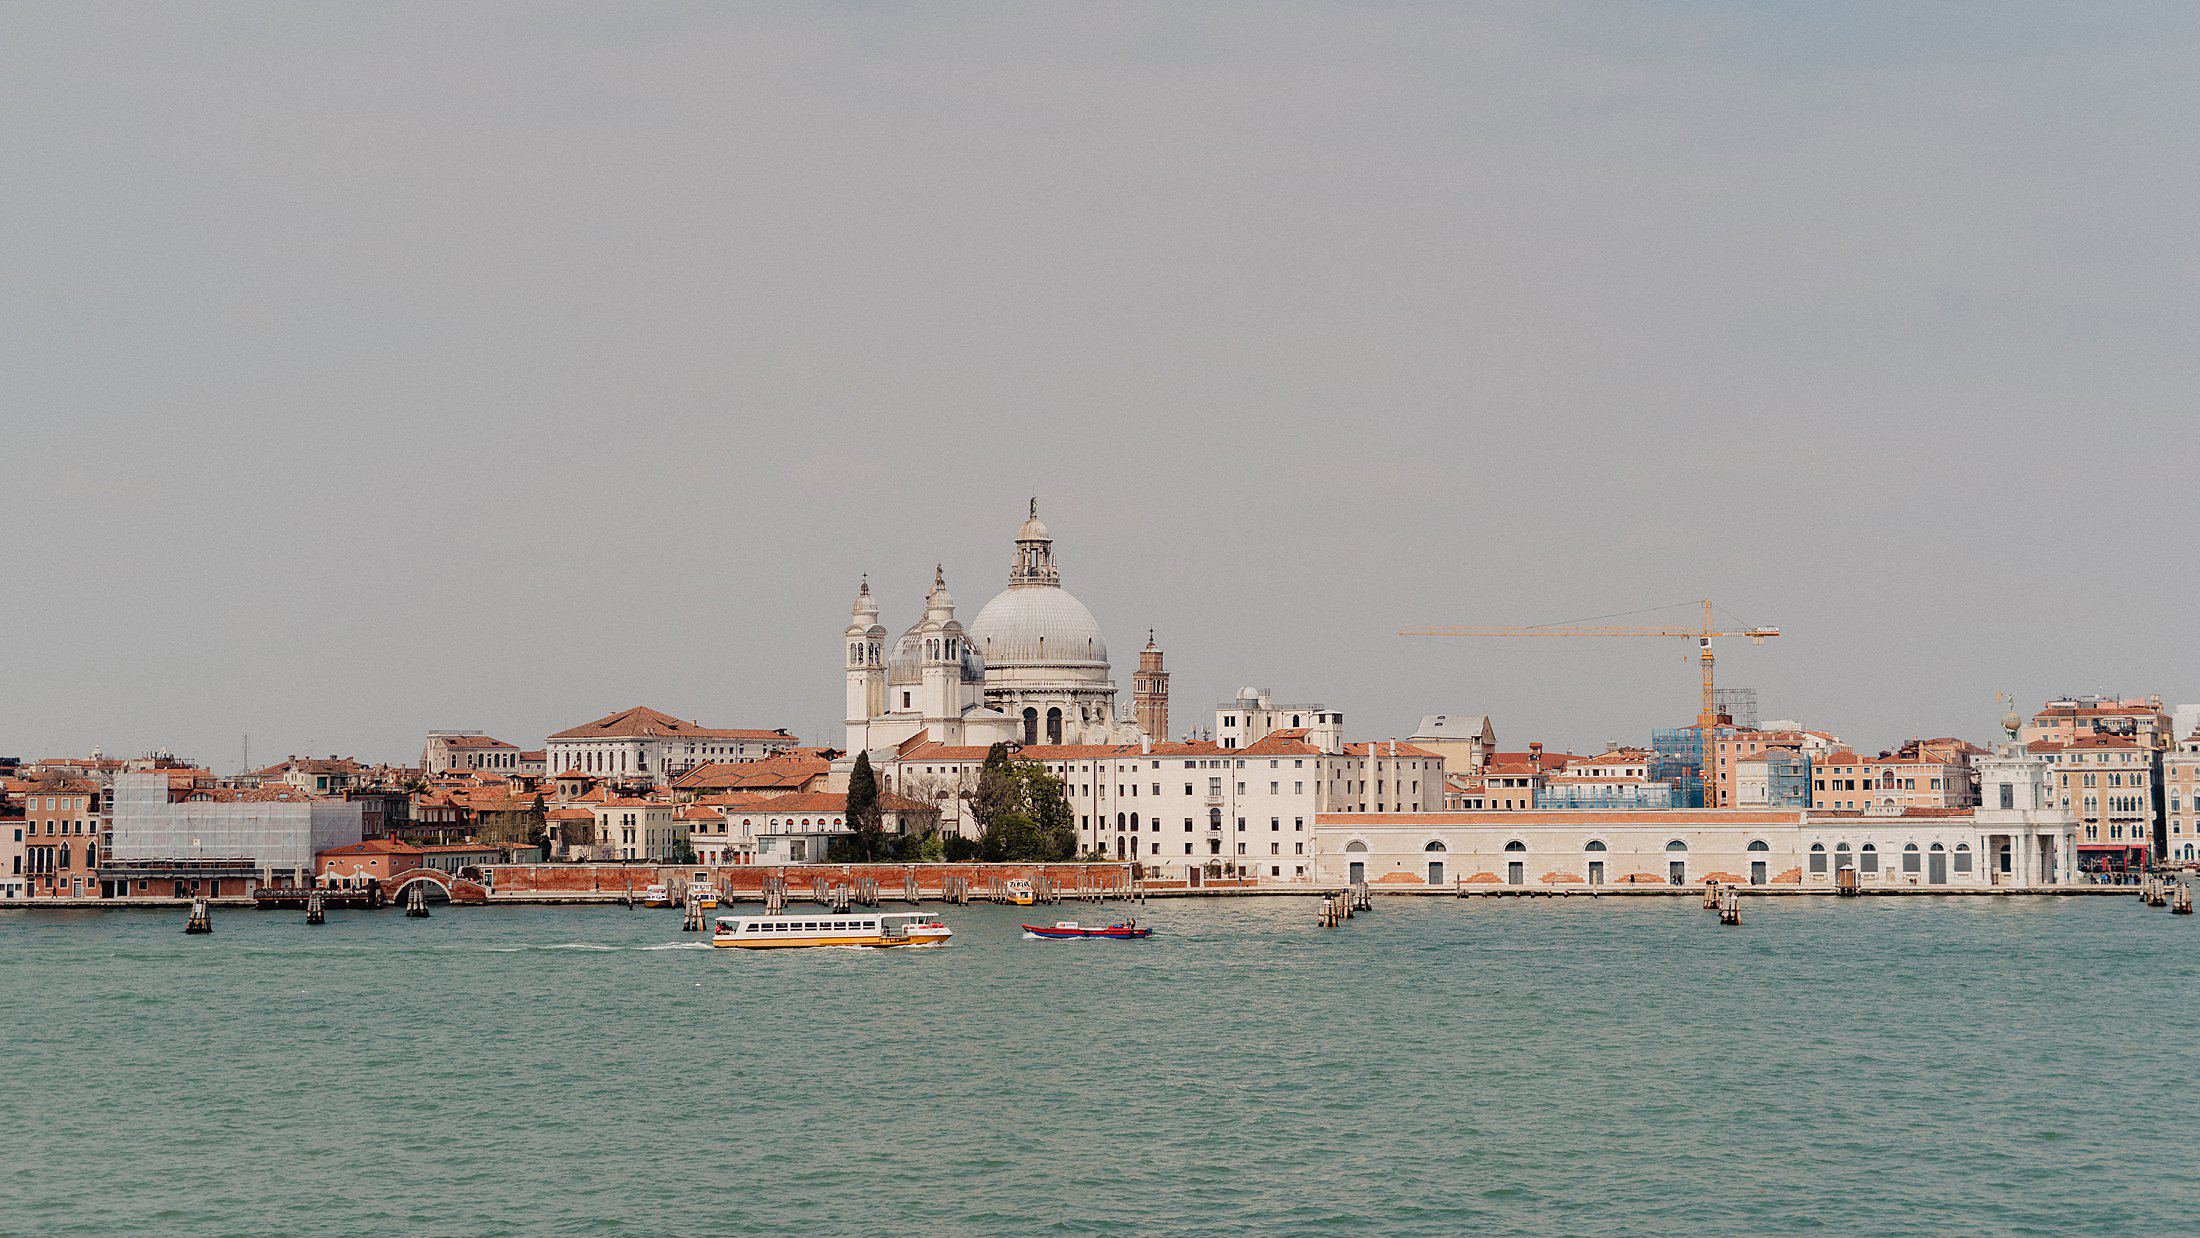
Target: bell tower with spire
[866, 663]
[1150, 692]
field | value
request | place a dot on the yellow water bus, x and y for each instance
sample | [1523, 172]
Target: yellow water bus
[874, 929]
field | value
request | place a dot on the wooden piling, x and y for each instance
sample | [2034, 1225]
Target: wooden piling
[416, 901]
[1730, 906]
[314, 912]
[201, 919]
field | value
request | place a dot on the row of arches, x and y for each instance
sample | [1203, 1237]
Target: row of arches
[1435, 850]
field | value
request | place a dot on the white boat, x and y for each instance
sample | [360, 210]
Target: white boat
[657, 895]
[701, 890]
[879, 930]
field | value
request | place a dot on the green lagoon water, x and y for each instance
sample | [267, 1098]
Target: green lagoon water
[1886, 1065]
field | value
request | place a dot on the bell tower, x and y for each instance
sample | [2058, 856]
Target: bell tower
[1150, 691]
[866, 666]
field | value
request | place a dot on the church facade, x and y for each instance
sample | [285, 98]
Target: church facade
[1031, 668]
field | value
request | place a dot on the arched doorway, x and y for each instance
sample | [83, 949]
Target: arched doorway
[1676, 863]
[1435, 854]
[1757, 867]
[1595, 850]
[1516, 871]
[1936, 865]
[1355, 854]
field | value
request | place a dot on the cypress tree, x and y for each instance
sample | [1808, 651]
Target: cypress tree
[863, 811]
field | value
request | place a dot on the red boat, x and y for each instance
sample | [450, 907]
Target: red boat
[1070, 928]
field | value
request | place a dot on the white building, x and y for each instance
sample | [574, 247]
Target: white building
[468, 750]
[631, 829]
[264, 833]
[1193, 806]
[1254, 716]
[1031, 668]
[646, 747]
[2181, 799]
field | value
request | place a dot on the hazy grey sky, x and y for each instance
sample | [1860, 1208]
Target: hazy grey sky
[371, 368]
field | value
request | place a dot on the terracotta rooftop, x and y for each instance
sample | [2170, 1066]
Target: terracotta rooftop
[642, 722]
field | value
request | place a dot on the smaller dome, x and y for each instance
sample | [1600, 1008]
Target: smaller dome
[1034, 530]
[905, 665]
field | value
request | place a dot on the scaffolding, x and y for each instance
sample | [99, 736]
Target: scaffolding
[1736, 705]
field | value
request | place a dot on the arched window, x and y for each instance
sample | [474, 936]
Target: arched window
[1355, 847]
[1516, 845]
[1134, 823]
[1594, 844]
[1963, 857]
[1759, 844]
[1676, 845]
[1119, 821]
[1817, 857]
[1031, 725]
[1054, 726]
[1910, 858]
[1436, 846]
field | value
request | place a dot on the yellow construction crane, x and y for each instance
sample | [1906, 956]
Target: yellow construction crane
[1707, 720]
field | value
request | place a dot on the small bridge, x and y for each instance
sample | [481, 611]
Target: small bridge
[454, 888]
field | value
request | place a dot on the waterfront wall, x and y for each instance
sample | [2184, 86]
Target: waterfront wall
[594, 882]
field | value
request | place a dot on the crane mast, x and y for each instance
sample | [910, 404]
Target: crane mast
[1707, 717]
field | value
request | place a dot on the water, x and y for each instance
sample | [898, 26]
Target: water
[1904, 1065]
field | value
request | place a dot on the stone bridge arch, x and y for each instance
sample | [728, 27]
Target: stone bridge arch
[452, 888]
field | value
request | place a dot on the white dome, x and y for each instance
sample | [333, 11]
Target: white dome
[1037, 625]
[905, 665]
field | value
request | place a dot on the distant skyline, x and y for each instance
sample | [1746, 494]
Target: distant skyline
[381, 369]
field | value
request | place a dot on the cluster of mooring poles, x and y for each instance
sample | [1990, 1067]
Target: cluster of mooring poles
[1726, 900]
[2159, 890]
[1339, 906]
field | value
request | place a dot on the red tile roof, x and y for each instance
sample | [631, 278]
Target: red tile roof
[375, 846]
[642, 722]
[788, 771]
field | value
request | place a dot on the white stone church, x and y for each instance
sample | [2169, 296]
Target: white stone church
[1031, 668]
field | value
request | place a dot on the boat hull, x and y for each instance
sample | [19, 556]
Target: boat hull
[795, 942]
[1060, 934]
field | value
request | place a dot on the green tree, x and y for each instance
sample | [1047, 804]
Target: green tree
[863, 815]
[1021, 811]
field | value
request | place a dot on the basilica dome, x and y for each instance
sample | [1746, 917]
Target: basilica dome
[1038, 625]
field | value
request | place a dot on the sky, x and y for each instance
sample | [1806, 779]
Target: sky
[366, 369]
